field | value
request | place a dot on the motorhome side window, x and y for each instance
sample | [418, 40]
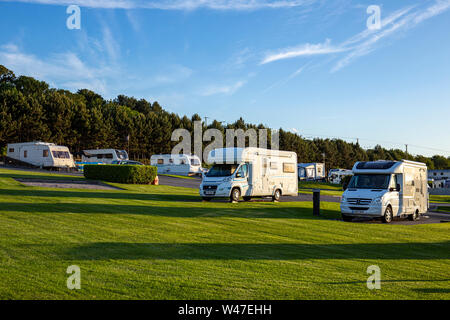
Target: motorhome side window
[160, 161]
[11, 149]
[45, 153]
[25, 153]
[109, 156]
[288, 167]
[170, 160]
[195, 162]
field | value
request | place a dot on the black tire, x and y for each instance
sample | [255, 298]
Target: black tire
[206, 198]
[388, 215]
[415, 216]
[276, 195]
[347, 218]
[235, 195]
[247, 198]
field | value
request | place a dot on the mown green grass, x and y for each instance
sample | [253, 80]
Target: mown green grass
[443, 209]
[319, 185]
[439, 199]
[159, 242]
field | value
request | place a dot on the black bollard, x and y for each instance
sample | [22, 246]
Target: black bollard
[316, 202]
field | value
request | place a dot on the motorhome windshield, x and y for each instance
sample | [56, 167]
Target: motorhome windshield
[122, 154]
[369, 181]
[222, 170]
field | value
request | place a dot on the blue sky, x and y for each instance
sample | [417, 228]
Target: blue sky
[309, 66]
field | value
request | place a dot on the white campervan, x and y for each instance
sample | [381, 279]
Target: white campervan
[335, 175]
[178, 164]
[311, 171]
[106, 156]
[41, 154]
[250, 172]
[386, 189]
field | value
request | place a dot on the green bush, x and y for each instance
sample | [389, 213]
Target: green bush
[131, 174]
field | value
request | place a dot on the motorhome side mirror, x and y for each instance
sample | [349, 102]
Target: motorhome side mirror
[238, 175]
[398, 187]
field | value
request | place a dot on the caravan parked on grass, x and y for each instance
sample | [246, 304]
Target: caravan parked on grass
[41, 154]
[106, 156]
[179, 164]
[311, 171]
[386, 189]
[335, 175]
[250, 172]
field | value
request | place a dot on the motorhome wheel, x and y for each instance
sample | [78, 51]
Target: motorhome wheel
[387, 218]
[414, 216]
[235, 195]
[277, 195]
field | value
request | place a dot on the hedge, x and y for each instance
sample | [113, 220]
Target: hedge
[131, 174]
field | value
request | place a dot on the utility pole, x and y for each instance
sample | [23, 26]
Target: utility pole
[206, 121]
[406, 149]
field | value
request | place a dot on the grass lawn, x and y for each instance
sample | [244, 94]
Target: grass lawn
[319, 185]
[443, 209]
[440, 199]
[159, 242]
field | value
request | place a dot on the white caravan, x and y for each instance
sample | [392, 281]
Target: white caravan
[386, 189]
[41, 154]
[335, 175]
[179, 164]
[311, 171]
[106, 156]
[250, 172]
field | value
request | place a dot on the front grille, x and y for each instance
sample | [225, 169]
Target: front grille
[359, 208]
[359, 201]
[207, 188]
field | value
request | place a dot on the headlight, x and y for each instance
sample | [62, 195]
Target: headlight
[378, 200]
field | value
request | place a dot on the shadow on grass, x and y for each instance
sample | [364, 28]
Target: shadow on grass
[390, 281]
[208, 211]
[43, 176]
[433, 290]
[247, 251]
[98, 194]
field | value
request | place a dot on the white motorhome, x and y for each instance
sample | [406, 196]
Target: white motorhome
[41, 154]
[179, 164]
[335, 175]
[250, 172]
[311, 171]
[386, 189]
[106, 156]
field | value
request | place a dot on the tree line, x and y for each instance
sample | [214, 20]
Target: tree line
[30, 110]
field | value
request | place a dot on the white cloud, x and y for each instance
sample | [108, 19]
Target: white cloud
[176, 4]
[303, 50]
[222, 89]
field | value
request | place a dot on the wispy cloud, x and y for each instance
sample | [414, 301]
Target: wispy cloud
[176, 4]
[222, 89]
[65, 69]
[172, 74]
[364, 42]
[283, 81]
[307, 49]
